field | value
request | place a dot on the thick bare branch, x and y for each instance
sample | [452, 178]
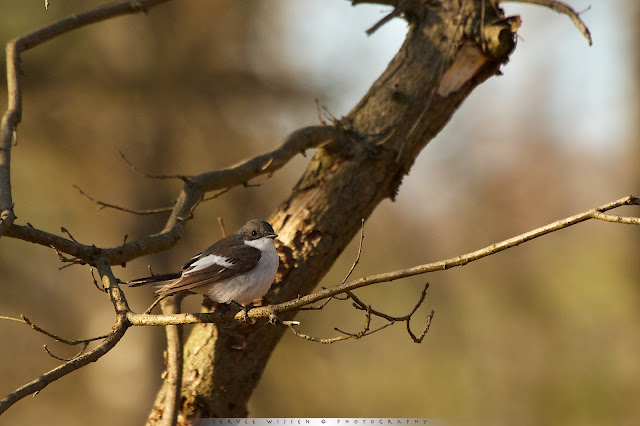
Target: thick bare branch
[297, 143]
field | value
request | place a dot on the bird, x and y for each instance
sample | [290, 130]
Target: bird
[240, 267]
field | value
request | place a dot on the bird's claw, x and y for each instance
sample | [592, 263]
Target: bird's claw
[273, 318]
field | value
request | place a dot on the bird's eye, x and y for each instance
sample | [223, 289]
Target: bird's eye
[254, 233]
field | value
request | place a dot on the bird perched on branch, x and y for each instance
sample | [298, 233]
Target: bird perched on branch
[240, 267]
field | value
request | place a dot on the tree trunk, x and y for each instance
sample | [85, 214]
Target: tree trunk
[447, 53]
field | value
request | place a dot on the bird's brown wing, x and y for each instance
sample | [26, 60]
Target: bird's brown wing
[208, 268]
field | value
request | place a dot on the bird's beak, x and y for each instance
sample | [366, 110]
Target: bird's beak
[272, 235]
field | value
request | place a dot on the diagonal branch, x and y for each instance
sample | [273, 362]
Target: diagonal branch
[110, 283]
[452, 262]
[191, 195]
[292, 305]
[41, 382]
[297, 143]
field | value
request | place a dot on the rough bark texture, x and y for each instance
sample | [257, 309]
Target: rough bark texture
[447, 53]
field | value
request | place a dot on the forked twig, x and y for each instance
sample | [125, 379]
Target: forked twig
[70, 261]
[353, 267]
[41, 382]
[345, 335]
[71, 342]
[391, 320]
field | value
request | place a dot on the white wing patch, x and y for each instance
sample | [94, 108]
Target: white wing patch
[207, 261]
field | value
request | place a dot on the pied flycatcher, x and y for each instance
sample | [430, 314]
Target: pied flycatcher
[240, 267]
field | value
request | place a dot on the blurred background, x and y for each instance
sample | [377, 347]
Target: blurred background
[546, 333]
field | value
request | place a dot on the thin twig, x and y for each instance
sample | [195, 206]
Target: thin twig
[355, 262]
[617, 219]
[319, 112]
[391, 320]
[353, 267]
[564, 8]
[330, 340]
[155, 303]
[63, 229]
[183, 178]
[52, 355]
[397, 11]
[221, 223]
[71, 342]
[425, 330]
[216, 195]
[95, 282]
[102, 205]
[68, 260]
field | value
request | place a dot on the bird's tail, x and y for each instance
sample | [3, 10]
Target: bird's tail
[154, 279]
